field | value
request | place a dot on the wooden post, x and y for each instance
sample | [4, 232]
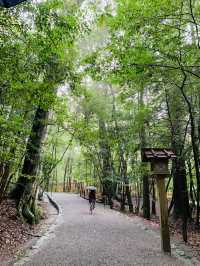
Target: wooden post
[164, 228]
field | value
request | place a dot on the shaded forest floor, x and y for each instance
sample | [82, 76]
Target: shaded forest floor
[192, 247]
[193, 234]
[14, 234]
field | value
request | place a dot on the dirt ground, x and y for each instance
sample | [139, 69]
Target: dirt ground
[16, 236]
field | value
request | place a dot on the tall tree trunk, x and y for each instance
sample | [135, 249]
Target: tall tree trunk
[145, 178]
[146, 198]
[176, 116]
[180, 192]
[198, 118]
[123, 164]
[153, 205]
[195, 146]
[23, 190]
[64, 177]
[106, 163]
[129, 198]
[191, 187]
[126, 190]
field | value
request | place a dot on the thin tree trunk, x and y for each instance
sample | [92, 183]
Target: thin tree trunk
[64, 177]
[153, 207]
[191, 187]
[4, 181]
[146, 198]
[145, 178]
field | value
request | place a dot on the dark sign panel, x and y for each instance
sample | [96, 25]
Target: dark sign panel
[10, 3]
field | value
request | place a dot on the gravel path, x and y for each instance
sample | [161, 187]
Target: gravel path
[105, 238]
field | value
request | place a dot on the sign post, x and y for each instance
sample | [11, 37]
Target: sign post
[164, 228]
[159, 166]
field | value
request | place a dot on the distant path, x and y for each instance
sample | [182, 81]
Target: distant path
[106, 238]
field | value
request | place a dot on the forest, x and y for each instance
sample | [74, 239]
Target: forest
[85, 86]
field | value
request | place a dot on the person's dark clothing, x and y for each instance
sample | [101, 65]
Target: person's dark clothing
[92, 196]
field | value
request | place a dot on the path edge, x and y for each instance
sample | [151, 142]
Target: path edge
[32, 246]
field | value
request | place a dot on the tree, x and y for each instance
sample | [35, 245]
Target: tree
[48, 50]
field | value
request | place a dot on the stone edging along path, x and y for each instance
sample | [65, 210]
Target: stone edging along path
[54, 213]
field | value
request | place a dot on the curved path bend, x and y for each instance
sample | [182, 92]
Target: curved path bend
[106, 238]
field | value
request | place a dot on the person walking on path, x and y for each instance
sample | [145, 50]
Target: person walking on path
[92, 200]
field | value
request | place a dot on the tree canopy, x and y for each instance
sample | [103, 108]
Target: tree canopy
[85, 86]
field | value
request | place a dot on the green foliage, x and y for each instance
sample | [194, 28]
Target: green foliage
[37, 56]
[115, 83]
